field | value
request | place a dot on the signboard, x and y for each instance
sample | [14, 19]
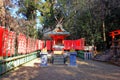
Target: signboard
[1, 39]
[73, 58]
[22, 43]
[76, 44]
[48, 44]
[43, 60]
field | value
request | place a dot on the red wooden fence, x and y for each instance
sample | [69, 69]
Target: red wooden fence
[49, 45]
[26, 45]
[74, 44]
[7, 42]
[1, 39]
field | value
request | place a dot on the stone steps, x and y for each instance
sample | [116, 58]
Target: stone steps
[58, 59]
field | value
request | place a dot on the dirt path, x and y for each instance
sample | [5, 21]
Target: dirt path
[86, 70]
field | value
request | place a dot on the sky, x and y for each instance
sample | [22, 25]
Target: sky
[38, 25]
[13, 10]
[43, 0]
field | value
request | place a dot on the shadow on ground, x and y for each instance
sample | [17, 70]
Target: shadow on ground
[86, 70]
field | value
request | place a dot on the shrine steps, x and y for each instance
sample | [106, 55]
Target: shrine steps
[58, 59]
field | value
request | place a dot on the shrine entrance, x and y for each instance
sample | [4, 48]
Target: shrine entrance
[115, 46]
[58, 35]
[114, 34]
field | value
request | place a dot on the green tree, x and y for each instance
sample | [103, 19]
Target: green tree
[29, 7]
[82, 18]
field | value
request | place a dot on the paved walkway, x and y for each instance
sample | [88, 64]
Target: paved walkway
[86, 70]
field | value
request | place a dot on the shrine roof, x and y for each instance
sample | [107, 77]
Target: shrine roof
[57, 31]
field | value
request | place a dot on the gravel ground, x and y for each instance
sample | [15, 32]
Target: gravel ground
[86, 70]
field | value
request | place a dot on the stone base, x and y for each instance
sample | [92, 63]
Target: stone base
[72, 65]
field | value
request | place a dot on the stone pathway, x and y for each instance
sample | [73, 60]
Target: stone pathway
[86, 70]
